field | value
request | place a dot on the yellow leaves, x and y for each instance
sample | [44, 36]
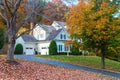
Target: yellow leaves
[2, 24]
[78, 17]
[95, 37]
[112, 49]
[21, 30]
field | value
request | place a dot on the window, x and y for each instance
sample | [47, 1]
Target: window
[37, 36]
[27, 48]
[44, 47]
[60, 48]
[64, 36]
[58, 26]
[71, 47]
[61, 36]
[41, 35]
[65, 48]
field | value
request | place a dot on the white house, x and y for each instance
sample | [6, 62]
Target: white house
[42, 36]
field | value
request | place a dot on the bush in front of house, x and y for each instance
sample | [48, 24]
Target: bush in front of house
[62, 53]
[53, 48]
[18, 49]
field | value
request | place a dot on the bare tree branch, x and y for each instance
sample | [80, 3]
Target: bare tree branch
[22, 22]
[2, 16]
[16, 6]
[7, 7]
[17, 36]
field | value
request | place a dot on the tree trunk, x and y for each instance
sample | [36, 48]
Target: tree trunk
[10, 53]
[11, 40]
[103, 60]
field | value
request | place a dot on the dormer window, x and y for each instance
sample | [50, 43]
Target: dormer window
[41, 35]
[58, 26]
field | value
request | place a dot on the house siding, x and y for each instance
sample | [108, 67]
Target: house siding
[43, 48]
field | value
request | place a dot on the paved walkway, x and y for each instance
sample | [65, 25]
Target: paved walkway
[63, 64]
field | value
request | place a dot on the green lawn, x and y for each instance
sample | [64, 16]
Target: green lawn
[90, 61]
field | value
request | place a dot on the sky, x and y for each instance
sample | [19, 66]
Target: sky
[70, 2]
[67, 2]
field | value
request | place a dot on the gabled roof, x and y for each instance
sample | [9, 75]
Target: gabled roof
[53, 34]
[28, 38]
[47, 28]
[61, 23]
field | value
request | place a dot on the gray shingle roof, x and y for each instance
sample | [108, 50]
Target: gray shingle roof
[47, 28]
[61, 23]
[53, 34]
[28, 38]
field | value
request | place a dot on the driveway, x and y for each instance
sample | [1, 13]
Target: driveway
[64, 64]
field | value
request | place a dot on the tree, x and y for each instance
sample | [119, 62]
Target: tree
[12, 11]
[19, 49]
[94, 27]
[53, 48]
[8, 11]
[54, 11]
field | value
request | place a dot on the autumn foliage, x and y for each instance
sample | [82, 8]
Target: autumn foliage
[54, 11]
[94, 27]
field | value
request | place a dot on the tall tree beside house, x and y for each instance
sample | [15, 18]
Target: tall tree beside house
[13, 12]
[54, 11]
[9, 12]
[53, 48]
[95, 28]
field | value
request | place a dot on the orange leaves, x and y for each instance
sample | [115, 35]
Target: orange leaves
[78, 17]
[21, 9]
[99, 25]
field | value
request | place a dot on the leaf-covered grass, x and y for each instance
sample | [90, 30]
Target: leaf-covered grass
[90, 61]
